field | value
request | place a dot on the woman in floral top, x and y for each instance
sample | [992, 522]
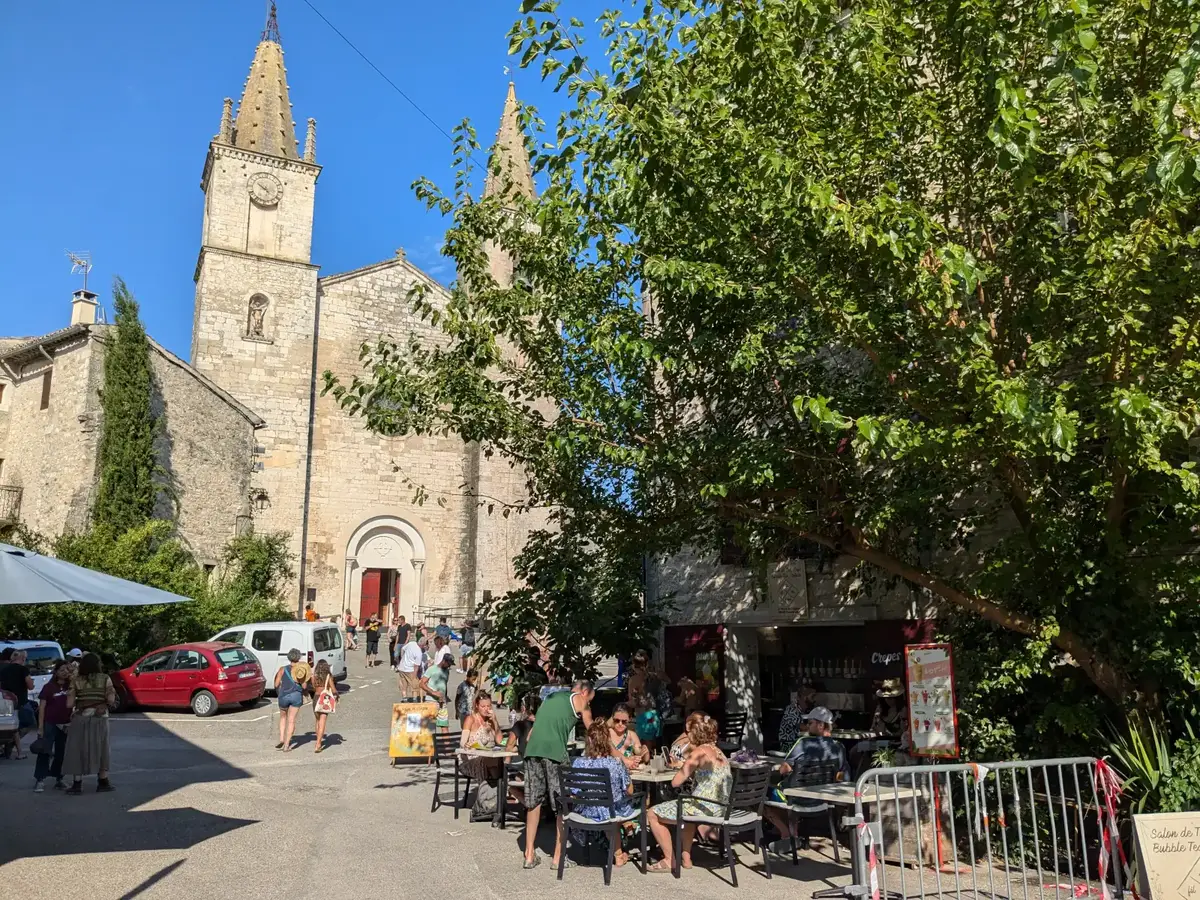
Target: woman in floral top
[597, 754]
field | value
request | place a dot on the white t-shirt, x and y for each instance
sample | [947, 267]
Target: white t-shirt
[411, 658]
[437, 656]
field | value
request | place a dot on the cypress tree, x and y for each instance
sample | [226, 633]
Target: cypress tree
[128, 490]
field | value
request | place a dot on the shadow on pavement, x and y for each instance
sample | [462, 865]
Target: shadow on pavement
[152, 880]
[162, 762]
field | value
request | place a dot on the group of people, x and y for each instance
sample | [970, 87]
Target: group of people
[70, 716]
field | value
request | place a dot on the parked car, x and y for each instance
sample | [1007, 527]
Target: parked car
[271, 641]
[41, 657]
[204, 676]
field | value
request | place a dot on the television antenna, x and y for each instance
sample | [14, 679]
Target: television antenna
[81, 264]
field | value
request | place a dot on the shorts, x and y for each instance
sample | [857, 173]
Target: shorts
[542, 782]
[465, 650]
[296, 699]
[410, 684]
[373, 646]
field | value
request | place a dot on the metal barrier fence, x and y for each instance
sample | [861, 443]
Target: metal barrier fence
[1014, 830]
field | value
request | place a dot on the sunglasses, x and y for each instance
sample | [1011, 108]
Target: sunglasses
[620, 721]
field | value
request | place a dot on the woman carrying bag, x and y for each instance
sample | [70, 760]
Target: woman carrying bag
[325, 696]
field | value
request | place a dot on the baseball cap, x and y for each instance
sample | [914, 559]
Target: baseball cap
[820, 714]
[75, 653]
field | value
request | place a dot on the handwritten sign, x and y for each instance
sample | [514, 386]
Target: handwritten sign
[1168, 848]
[932, 716]
[412, 730]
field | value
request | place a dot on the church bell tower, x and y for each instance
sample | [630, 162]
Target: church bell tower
[256, 288]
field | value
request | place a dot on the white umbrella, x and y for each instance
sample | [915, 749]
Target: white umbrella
[28, 577]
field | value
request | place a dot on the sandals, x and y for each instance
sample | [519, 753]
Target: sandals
[532, 863]
[320, 747]
[661, 866]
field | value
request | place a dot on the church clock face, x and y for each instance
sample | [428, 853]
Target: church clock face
[265, 188]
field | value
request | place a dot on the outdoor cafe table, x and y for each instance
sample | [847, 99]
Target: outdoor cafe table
[502, 794]
[655, 780]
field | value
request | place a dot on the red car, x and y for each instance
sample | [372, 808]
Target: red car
[204, 676]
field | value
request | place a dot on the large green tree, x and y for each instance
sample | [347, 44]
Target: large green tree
[128, 486]
[914, 281]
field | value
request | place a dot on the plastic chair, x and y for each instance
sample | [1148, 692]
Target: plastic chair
[733, 729]
[811, 775]
[593, 787]
[743, 812]
[445, 758]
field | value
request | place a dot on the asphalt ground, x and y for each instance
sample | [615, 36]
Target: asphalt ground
[208, 808]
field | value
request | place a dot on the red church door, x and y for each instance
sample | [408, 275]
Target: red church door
[369, 601]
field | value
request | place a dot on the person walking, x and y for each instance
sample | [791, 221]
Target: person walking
[371, 626]
[545, 751]
[351, 631]
[466, 646]
[90, 698]
[325, 697]
[443, 630]
[436, 685]
[289, 688]
[409, 667]
[54, 714]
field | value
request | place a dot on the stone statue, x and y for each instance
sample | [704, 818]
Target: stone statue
[258, 311]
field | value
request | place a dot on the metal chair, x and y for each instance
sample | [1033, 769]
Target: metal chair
[593, 787]
[811, 775]
[733, 729]
[743, 812]
[445, 758]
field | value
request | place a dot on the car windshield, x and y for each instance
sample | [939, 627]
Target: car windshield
[41, 660]
[232, 656]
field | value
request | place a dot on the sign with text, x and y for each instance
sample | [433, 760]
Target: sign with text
[412, 730]
[932, 717]
[1168, 849]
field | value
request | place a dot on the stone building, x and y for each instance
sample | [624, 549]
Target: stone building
[50, 420]
[266, 325]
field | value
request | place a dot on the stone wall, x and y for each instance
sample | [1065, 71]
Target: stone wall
[51, 453]
[206, 449]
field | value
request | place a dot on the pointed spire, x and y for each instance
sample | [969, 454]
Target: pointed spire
[310, 142]
[510, 155]
[264, 118]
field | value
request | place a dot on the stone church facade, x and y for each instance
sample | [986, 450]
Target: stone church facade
[267, 323]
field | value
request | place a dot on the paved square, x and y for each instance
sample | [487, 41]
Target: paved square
[208, 808]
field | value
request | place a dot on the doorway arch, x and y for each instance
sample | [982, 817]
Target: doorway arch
[386, 544]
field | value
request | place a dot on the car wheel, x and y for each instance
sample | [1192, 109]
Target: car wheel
[204, 704]
[124, 701]
[250, 704]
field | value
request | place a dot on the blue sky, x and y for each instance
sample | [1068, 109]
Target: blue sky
[109, 108]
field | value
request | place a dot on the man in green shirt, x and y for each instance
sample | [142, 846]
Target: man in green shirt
[545, 751]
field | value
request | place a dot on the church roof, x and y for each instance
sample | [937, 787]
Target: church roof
[33, 347]
[264, 117]
[510, 156]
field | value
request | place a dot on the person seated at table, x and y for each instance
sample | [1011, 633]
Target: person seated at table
[683, 744]
[625, 743]
[712, 780]
[792, 724]
[598, 753]
[816, 748]
[481, 731]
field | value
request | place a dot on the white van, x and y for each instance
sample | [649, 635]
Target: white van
[42, 655]
[271, 641]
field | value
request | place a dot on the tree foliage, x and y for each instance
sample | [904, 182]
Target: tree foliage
[127, 464]
[581, 600]
[914, 281]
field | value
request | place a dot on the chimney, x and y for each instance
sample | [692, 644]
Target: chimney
[83, 308]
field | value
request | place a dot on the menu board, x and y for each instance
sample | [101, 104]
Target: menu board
[932, 717]
[1168, 848]
[412, 730]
